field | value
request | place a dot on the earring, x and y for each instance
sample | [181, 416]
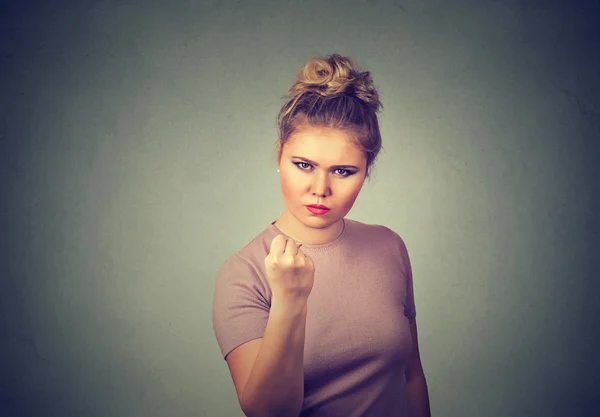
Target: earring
[277, 170]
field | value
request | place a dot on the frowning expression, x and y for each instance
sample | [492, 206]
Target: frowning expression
[321, 166]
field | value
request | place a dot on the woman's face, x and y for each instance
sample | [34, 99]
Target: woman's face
[321, 166]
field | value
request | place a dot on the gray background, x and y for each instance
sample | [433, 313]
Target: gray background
[136, 155]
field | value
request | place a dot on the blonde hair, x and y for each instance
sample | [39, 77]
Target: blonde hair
[331, 92]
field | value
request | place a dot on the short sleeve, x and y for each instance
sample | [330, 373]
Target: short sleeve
[409, 306]
[240, 304]
[410, 310]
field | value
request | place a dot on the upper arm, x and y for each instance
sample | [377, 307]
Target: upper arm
[240, 361]
[240, 314]
[414, 366]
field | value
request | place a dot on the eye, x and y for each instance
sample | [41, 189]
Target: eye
[341, 172]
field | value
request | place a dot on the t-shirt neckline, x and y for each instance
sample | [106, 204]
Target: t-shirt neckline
[324, 246]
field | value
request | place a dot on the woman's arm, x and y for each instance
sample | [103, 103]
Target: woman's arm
[269, 374]
[416, 385]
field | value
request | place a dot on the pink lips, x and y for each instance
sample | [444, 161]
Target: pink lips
[318, 206]
[317, 210]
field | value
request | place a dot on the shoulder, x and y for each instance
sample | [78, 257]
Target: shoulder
[241, 279]
[250, 257]
[375, 233]
[380, 240]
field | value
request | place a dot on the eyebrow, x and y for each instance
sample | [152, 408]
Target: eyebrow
[333, 166]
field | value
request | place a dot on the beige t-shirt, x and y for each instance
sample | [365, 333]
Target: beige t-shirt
[357, 335]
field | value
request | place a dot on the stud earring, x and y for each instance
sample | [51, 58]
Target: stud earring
[277, 170]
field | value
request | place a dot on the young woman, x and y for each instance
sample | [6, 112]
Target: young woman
[316, 315]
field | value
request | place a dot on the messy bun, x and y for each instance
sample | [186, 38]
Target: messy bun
[331, 92]
[334, 76]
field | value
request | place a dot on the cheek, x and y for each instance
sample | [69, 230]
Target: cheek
[351, 193]
[350, 197]
[345, 193]
[289, 187]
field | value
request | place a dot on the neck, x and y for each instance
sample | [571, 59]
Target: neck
[306, 234]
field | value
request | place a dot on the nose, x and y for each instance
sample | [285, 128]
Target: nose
[320, 185]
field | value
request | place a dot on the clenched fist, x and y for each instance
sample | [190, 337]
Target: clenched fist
[290, 273]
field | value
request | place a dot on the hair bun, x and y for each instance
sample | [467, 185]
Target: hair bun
[333, 76]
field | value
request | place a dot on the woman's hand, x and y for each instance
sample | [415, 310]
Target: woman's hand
[290, 273]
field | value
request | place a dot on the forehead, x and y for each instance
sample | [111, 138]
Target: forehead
[324, 145]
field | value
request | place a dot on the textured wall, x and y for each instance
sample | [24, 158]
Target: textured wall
[136, 148]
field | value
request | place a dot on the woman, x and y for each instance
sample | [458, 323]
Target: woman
[328, 330]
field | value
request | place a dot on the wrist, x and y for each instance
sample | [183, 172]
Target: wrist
[287, 309]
